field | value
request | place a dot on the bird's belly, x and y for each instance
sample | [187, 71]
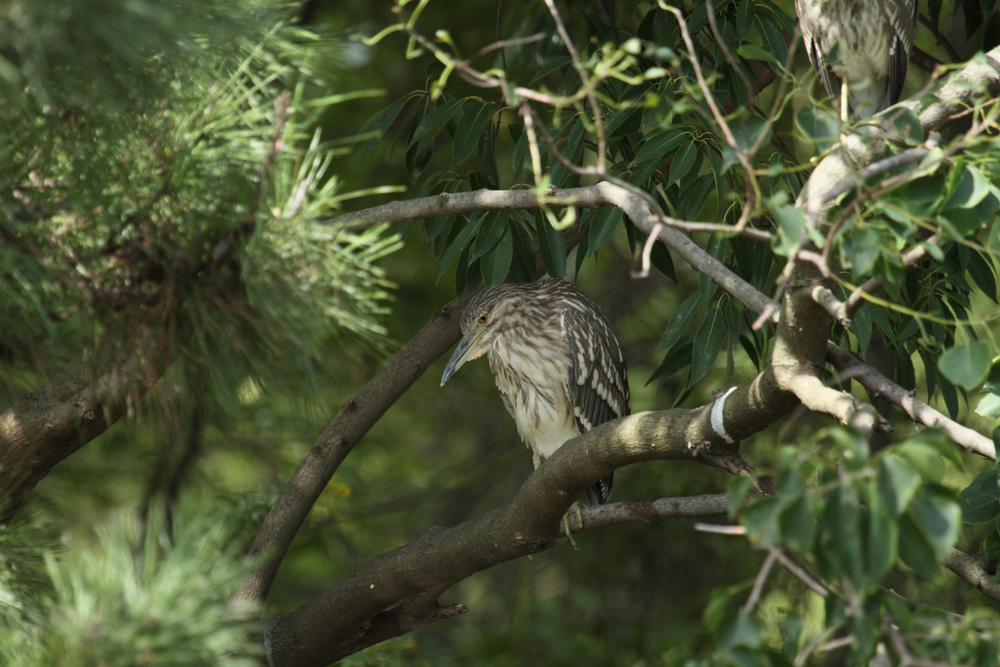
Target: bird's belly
[544, 440]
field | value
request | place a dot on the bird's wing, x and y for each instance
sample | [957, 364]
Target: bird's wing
[902, 16]
[808, 13]
[597, 381]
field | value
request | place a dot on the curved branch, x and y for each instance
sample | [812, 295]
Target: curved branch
[320, 631]
[422, 609]
[356, 416]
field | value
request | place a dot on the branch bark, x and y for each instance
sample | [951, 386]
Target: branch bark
[977, 570]
[81, 402]
[920, 412]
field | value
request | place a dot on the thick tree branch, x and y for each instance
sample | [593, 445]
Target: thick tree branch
[73, 407]
[920, 412]
[977, 570]
[422, 609]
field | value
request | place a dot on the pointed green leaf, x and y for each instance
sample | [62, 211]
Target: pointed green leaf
[551, 246]
[707, 344]
[683, 161]
[434, 121]
[679, 322]
[470, 128]
[603, 226]
[496, 262]
[467, 231]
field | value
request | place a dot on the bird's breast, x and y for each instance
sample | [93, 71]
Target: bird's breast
[532, 375]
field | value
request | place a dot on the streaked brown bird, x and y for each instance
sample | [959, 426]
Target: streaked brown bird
[556, 360]
[873, 39]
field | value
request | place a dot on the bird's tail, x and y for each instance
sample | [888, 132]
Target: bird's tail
[599, 492]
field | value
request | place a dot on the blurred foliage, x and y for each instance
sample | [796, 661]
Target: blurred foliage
[157, 181]
[140, 595]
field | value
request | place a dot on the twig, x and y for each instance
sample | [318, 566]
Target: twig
[824, 297]
[758, 584]
[798, 572]
[736, 531]
[919, 411]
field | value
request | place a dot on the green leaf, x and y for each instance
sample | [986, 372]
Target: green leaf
[798, 525]
[861, 327]
[382, 121]
[434, 121]
[488, 159]
[981, 268]
[991, 545]
[470, 128]
[715, 247]
[745, 14]
[551, 246]
[896, 483]
[572, 150]
[679, 322]
[790, 222]
[971, 189]
[881, 543]
[707, 344]
[966, 365]
[908, 124]
[658, 145]
[496, 262]
[683, 161]
[523, 266]
[693, 198]
[549, 66]
[774, 43]
[914, 549]
[491, 229]
[754, 52]
[980, 500]
[762, 521]
[938, 519]
[989, 406]
[467, 231]
[819, 126]
[861, 249]
[603, 226]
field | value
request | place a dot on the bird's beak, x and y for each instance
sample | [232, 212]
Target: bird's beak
[462, 353]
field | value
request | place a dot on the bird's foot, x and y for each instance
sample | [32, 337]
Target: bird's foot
[575, 509]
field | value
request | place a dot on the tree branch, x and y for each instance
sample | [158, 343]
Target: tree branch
[920, 412]
[75, 406]
[321, 631]
[977, 570]
[353, 420]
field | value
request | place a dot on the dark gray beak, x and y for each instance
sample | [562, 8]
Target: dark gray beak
[462, 353]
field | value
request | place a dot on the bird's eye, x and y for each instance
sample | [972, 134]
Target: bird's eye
[483, 318]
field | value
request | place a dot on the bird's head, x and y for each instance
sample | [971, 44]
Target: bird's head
[488, 314]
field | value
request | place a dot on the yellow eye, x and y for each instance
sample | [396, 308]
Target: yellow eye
[483, 318]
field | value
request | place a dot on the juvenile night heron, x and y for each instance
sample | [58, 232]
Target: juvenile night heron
[873, 38]
[557, 363]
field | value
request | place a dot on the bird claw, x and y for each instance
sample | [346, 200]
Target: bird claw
[569, 534]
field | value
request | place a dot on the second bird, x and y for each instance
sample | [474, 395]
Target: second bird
[557, 363]
[873, 38]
